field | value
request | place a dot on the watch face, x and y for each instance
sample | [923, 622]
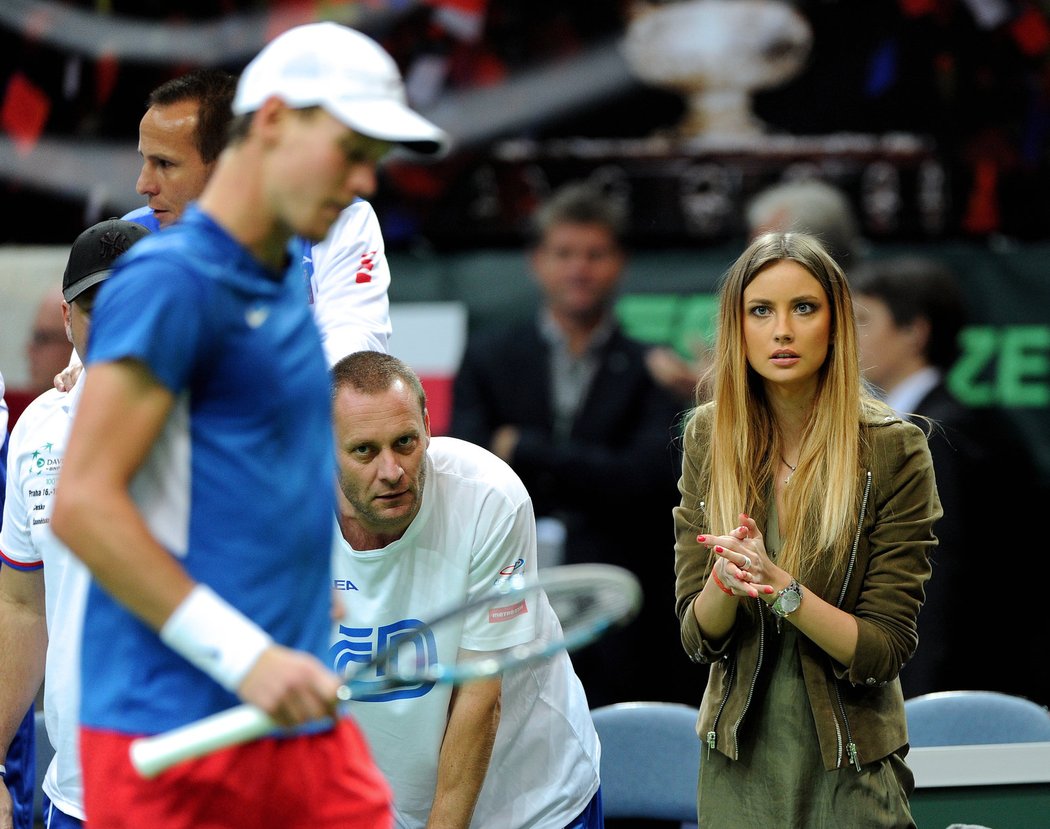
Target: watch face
[789, 601]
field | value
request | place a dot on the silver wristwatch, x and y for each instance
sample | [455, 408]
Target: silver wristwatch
[788, 600]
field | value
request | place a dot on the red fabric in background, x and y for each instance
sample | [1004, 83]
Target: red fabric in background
[17, 400]
[1031, 32]
[439, 402]
[24, 112]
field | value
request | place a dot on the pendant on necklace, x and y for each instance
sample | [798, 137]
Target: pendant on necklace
[787, 480]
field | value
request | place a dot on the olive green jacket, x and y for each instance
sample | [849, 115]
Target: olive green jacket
[858, 709]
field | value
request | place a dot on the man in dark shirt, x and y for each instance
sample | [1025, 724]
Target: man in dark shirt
[566, 399]
[910, 313]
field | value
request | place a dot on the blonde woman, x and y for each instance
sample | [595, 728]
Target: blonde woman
[803, 543]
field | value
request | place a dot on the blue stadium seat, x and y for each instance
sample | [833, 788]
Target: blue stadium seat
[954, 718]
[650, 760]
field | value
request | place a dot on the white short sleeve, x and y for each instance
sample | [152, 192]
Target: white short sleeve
[349, 285]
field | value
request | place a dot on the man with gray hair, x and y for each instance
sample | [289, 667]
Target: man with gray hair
[809, 206]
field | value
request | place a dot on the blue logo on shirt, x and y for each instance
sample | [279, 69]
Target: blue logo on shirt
[408, 647]
[509, 572]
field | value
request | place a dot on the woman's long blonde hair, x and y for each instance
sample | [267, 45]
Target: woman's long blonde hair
[821, 500]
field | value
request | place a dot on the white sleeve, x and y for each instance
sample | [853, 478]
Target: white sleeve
[349, 283]
[16, 541]
[508, 548]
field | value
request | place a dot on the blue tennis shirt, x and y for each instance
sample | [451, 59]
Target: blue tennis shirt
[239, 486]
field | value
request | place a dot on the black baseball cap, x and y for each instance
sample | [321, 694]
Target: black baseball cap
[94, 252]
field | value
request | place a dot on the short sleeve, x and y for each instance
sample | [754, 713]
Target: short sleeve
[350, 285]
[16, 539]
[507, 550]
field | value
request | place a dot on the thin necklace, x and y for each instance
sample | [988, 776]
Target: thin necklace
[789, 466]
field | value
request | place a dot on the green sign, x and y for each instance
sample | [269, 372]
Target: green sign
[1006, 366]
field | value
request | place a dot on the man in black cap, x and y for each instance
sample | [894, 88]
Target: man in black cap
[29, 627]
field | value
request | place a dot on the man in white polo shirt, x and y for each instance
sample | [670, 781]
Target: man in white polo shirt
[427, 523]
[42, 586]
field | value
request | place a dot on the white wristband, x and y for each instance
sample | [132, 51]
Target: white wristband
[3, 770]
[215, 636]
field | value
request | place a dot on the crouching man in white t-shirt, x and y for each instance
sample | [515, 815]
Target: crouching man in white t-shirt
[427, 523]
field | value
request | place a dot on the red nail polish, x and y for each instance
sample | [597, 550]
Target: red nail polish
[745, 515]
[719, 549]
[701, 538]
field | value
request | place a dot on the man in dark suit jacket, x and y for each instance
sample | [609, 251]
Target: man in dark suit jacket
[566, 399]
[909, 314]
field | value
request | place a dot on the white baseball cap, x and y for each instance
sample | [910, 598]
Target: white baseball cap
[347, 73]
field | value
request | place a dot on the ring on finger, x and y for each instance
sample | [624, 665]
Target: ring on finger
[746, 564]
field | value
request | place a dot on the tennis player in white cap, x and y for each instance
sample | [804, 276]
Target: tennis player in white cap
[197, 480]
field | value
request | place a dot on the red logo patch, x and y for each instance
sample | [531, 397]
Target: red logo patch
[367, 263]
[505, 614]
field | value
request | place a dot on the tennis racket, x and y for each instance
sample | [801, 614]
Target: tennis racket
[587, 600]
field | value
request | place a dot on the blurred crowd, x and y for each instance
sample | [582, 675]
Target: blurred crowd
[970, 74]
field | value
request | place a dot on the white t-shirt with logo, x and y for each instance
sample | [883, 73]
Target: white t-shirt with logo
[38, 443]
[476, 520]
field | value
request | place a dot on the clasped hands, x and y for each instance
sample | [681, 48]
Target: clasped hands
[742, 565]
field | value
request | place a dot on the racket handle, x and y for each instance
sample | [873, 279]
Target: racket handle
[152, 755]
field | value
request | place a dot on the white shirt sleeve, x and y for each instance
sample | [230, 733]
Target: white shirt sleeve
[16, 539]
[507, 549]
[349, 285]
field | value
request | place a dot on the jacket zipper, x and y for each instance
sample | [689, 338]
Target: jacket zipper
[712, 735]
[851, 747]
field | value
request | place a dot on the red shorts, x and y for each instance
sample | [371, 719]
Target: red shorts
[314, 781]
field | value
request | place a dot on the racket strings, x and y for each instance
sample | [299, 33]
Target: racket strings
[563, 610]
